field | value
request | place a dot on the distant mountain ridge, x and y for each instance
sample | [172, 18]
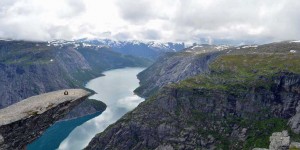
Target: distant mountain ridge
[151, 50]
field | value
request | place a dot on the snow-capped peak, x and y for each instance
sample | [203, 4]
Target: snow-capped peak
[298, 41]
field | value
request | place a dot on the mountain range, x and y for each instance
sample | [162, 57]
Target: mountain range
[150, 50]
[198, 97]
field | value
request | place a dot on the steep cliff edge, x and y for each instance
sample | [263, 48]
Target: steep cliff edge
[87, 107]
[174, 67]
[23, 122]
[246, 96]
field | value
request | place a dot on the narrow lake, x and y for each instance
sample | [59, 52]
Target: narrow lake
[115, 89]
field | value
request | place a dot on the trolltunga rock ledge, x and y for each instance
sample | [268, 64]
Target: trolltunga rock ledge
[23, 122]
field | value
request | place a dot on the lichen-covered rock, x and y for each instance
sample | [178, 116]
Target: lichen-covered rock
[279, 141]
[295, 146]
[164, 147]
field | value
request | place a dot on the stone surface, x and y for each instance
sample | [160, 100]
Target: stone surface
[295, 145]
[87, 107]
[23, 122]
[279, 141]
[164, 147]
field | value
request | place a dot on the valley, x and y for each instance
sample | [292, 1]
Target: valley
[149, 75]
[115, 89]
[203, 96]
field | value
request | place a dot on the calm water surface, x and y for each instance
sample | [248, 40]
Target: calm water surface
[115, 89]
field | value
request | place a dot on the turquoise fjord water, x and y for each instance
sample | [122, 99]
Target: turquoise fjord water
[115, 89]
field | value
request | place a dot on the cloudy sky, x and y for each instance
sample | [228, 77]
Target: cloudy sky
[162, 20]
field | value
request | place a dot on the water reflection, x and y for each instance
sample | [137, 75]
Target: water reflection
[53, 136]
[116, 91]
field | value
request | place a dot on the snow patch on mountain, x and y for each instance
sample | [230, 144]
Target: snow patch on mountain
[298, 41]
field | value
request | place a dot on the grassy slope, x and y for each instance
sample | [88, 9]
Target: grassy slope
[243, 71]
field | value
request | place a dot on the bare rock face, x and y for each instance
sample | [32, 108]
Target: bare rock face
[164, 147]
[279, 141]
[173, 68]
[87, 107]
[295, 145]
[23, 122]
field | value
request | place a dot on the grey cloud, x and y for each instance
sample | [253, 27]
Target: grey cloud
[240, 19]
[122, 36]
[56, 32]
[169, 20]
[19, 31]
[29, 21]
[151, 34]
[75, 7]
[136, 11]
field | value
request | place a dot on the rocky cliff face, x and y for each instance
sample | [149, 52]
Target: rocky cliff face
[29, 72]
[30, 68]
[174, 67]
[238, 105]
[25, 121]
[199, 118]
[87, 107]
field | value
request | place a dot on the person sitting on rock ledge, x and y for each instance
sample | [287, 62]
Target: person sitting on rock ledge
[66, 93]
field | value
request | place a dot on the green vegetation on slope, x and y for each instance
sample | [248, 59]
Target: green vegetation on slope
[238, 73]
[26, 56]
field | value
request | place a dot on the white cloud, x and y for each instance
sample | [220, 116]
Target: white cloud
[130, 102]
[167, 20]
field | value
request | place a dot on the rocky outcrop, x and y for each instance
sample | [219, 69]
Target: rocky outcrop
[87, 107]
[23, 122]
[173, 68]
[281, 141]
